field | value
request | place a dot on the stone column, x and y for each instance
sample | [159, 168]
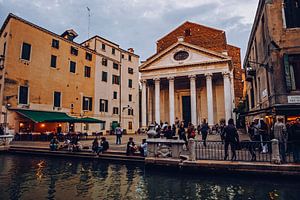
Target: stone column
[275, 151]
[193, 99]
[192, 149]
[227, 96]
[210, 104]
[232, 96]
[144, 103]
[171, 101]
[157, 100]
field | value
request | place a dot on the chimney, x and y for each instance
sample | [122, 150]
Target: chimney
[131, 50]
[69, 34]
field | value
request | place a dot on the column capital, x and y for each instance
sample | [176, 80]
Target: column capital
[193, 76]
[156, 79]
[208, 75]
[226, 74]
[171, 78]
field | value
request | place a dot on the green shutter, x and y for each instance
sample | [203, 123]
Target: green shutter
[287, 72]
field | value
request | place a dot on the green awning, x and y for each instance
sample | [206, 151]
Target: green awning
[46, 116]
[88, 120]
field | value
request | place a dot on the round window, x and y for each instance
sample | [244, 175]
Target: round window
[181, 55]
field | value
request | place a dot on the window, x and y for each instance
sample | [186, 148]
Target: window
[103, 47]
[115, 110]
[187, 32]
[53, 61]
[115, 79]
[26, 50]
[130, 97]
[87, 103]
[4, 49]
[87, 71]
[74, 51]
[57, 99]
[103, 105]
[130, 83]
[115, 66]
[55, 43]
[115, 95]
[129, 125]
[292, 71]
[88, 56]
[113, 51]
[129, 57]
[130, 111]
[104, 76]
[130, 70]
[292, 13]
[123, 56]
[72, 67]
[104, 61]
[23, 95]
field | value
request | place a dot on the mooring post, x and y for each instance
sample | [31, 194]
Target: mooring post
[275, 151]
[192, 149]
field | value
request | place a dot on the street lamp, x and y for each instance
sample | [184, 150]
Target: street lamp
[7, 106]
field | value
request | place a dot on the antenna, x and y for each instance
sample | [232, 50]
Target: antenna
[89, 20]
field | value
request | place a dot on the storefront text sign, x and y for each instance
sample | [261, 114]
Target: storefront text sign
[293, 99]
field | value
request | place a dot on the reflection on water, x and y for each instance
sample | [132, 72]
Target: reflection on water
[24, 177]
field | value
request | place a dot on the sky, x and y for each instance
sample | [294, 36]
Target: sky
[136, 23]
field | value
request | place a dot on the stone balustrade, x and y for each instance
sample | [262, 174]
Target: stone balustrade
[5, 139]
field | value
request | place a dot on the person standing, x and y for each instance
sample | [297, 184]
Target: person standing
[295, 139]
[280, 133]
[231, 138]
[264, 136]
[204, 131]
[118, 135]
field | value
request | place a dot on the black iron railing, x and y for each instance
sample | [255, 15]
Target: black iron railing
[245, 151]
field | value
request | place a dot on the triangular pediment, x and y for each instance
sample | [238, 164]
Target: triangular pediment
[182, 54]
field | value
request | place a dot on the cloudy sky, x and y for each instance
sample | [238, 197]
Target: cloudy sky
[136, 23]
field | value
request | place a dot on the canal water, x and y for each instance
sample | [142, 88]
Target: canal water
[30, 177]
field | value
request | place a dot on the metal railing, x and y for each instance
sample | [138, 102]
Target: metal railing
[254, 151]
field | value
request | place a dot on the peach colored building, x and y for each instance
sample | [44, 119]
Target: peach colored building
[46, 72]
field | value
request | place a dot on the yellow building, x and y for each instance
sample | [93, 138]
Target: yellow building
[44, 71]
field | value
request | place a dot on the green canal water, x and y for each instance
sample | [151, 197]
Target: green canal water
[30, 177]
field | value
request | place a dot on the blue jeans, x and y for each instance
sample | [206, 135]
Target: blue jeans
[118, 139]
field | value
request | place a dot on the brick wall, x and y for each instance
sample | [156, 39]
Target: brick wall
[202, 36]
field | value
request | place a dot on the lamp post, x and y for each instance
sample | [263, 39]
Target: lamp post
[7, 106]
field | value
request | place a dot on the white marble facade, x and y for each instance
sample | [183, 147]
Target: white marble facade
[187, 72]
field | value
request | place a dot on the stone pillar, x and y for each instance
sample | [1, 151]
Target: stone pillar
[227, 96]
[144, 103]
[192, 149]
[193, 99]
[275, 151]
[232, 96]
[157, 100]
[171, 101]
[210, 104]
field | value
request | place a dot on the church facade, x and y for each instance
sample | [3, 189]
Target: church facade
[194, 75]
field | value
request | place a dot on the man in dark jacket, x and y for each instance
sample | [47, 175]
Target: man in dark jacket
[295, 139]
[231, 138]
[204, 131]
